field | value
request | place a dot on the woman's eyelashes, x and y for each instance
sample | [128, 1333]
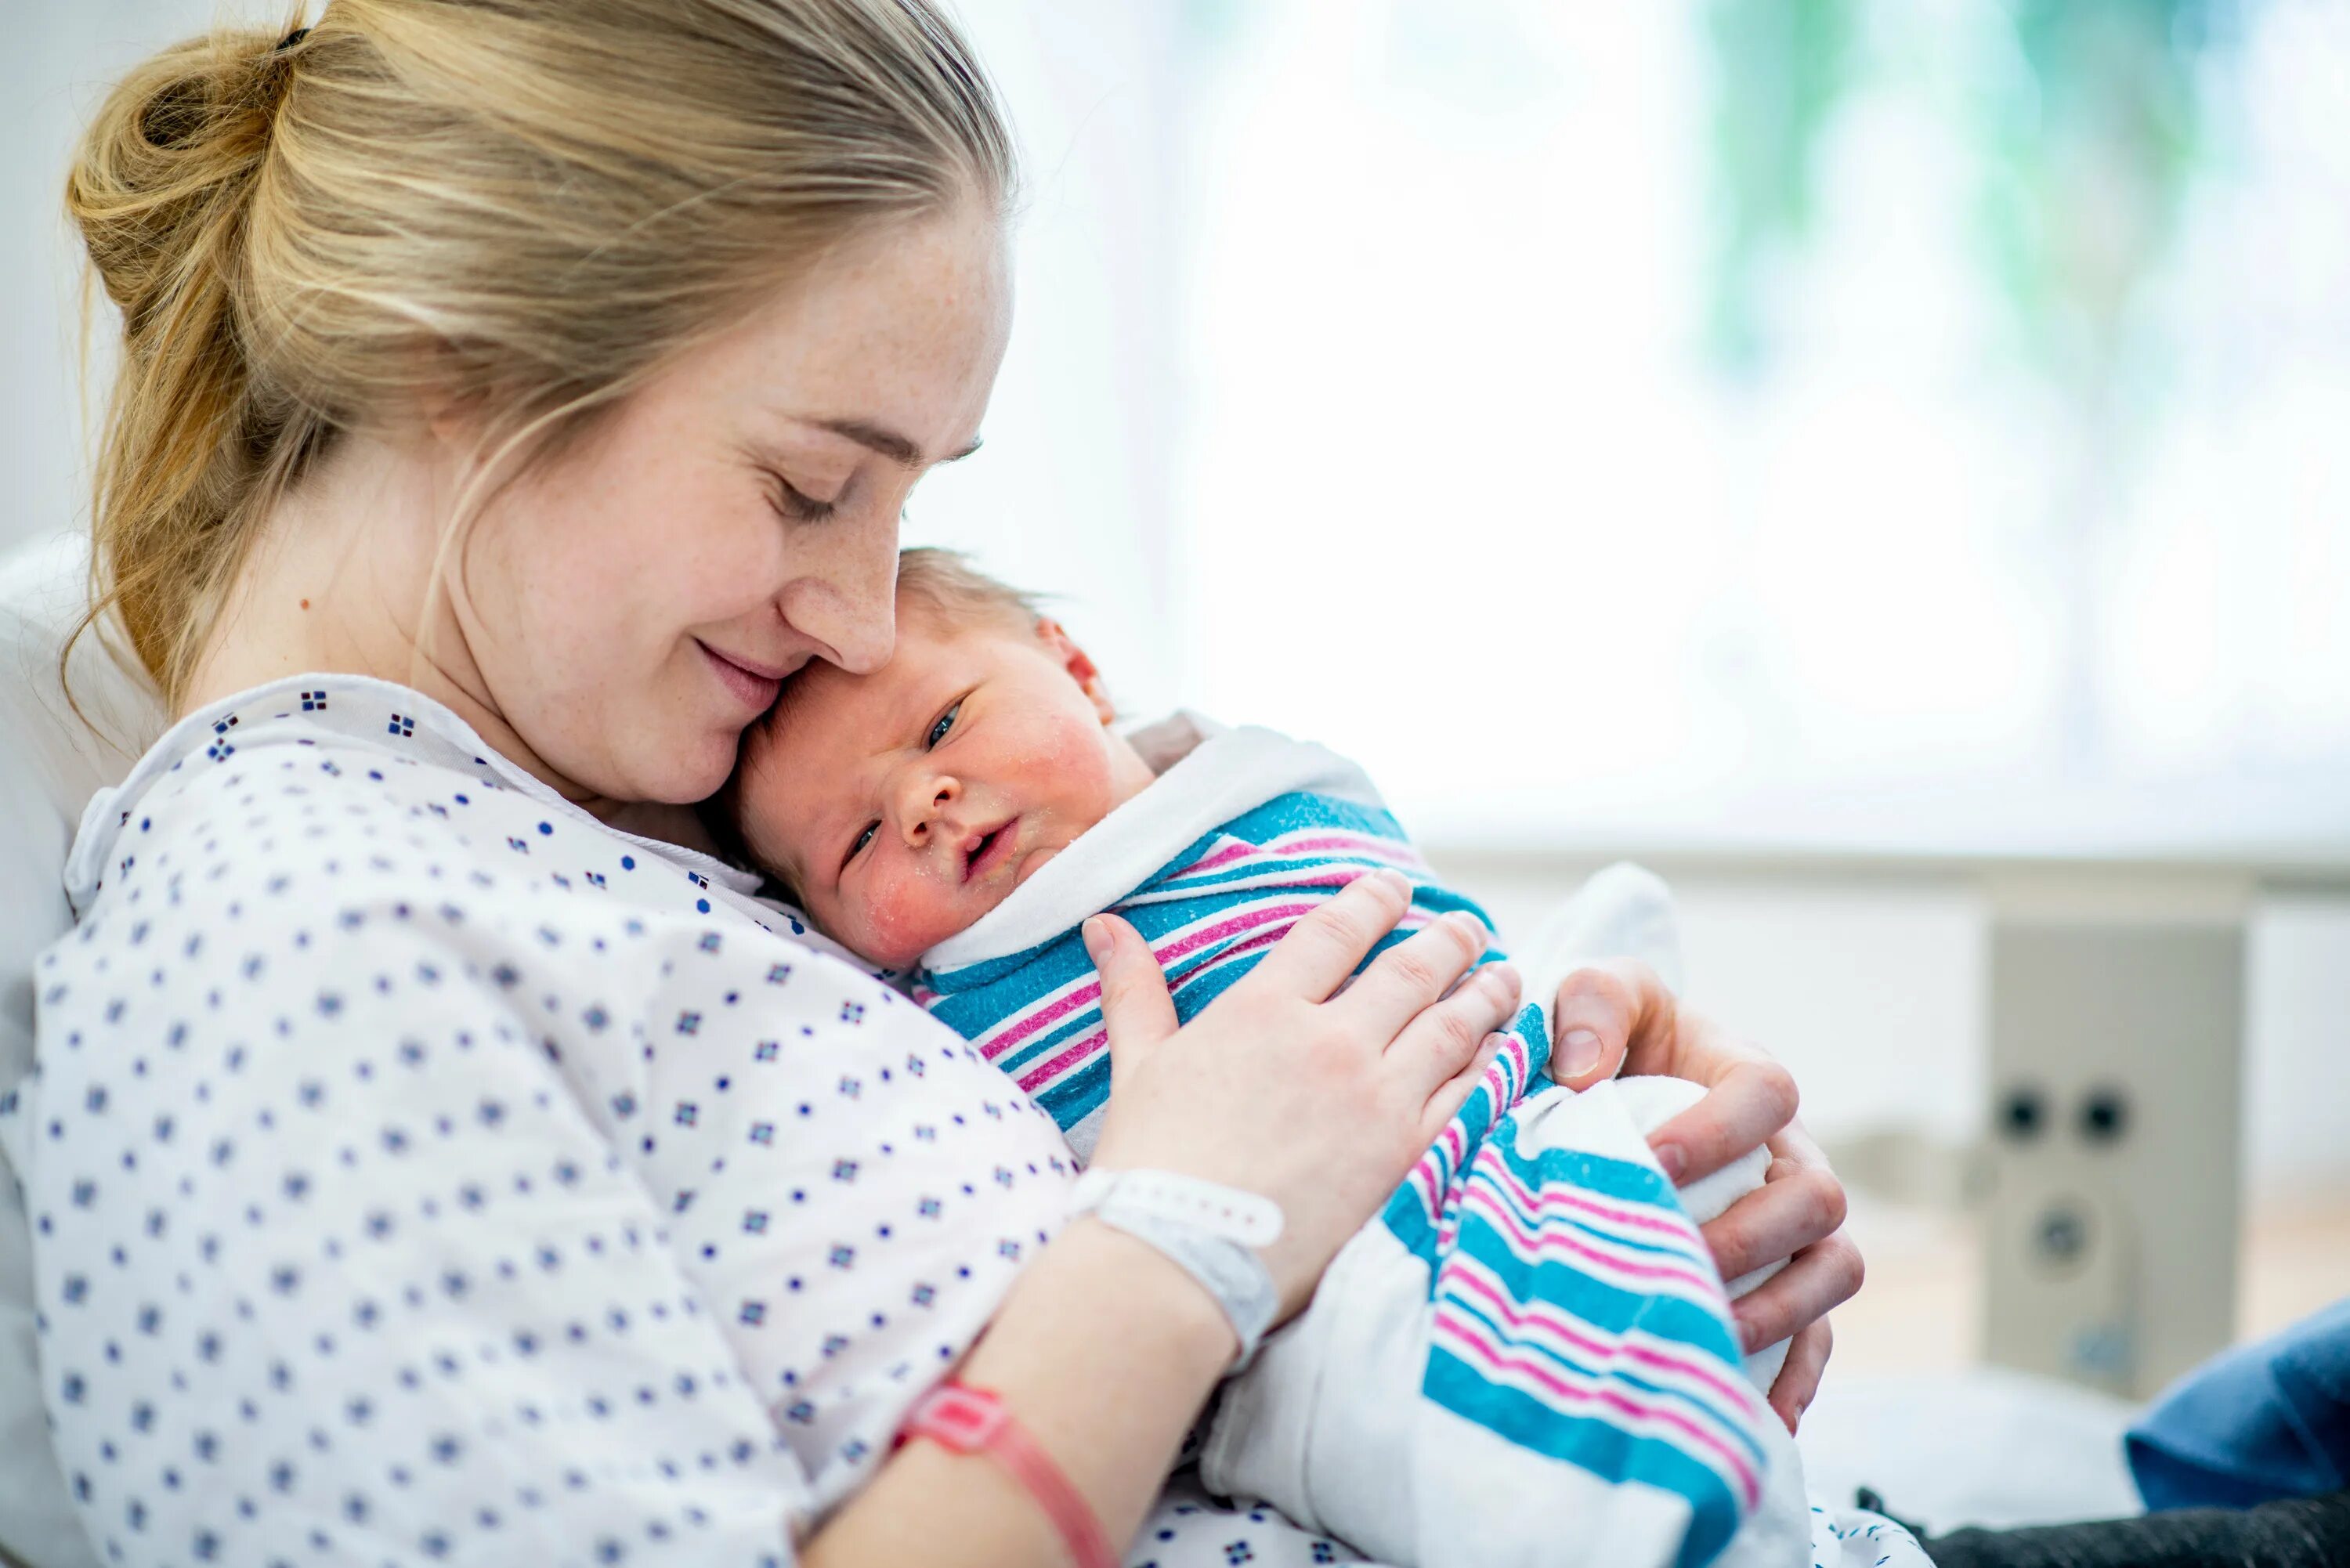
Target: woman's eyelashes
[797, 506]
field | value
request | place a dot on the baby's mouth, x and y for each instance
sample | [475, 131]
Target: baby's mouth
[982, 852]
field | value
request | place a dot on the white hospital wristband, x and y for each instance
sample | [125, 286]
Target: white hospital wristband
[1212, 1232]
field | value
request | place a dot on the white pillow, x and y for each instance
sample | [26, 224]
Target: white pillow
[51, 762]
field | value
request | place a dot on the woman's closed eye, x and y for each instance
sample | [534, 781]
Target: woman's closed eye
[797, 506]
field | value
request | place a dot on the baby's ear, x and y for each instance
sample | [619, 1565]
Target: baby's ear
[1078, 663]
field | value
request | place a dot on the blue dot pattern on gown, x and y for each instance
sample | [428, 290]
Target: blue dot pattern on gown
[422, 1172]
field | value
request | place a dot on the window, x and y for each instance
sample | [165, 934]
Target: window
[1736, 422]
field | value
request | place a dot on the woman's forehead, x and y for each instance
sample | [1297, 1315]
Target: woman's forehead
[900, 330]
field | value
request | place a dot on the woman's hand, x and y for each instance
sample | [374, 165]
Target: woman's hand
[1796, 1214]
[1319, 1102]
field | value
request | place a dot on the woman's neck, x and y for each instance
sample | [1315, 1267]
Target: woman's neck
[342, 579]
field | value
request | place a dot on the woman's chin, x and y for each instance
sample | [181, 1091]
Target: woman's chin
[682, 770]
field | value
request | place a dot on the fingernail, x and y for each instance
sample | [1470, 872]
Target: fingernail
[1673, 1159]
[1581, 1050]
[1469, 925]
[1096, 936]
[1745, 1334]
[1394, 879]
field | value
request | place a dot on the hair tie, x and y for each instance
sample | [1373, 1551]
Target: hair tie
[292, 38]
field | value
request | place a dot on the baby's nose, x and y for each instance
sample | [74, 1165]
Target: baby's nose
[926, 806]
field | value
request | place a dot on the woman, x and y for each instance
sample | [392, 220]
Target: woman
[512, 396]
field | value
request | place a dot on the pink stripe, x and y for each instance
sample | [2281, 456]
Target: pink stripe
[1264, 939]
[1533, 1325]
[1036, 1076]
[1013, 1033]
[995, 1044]
[1676, 1226]
[1384, 848]
[1243, 920]
[1465, 1336]
[1553, 1241]
[1223, 857]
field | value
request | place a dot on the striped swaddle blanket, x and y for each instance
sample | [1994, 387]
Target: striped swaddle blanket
[1577, 1341]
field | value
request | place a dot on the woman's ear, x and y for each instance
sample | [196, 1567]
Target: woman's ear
[1078, 663]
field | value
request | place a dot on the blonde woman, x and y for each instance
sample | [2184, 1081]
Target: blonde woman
[513, 392]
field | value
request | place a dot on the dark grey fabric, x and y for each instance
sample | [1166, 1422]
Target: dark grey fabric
[2300, 1533]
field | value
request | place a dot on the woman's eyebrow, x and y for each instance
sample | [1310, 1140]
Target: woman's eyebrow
[887, 441]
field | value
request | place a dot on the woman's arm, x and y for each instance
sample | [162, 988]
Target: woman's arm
[1796, 1214]
[1104, 1351]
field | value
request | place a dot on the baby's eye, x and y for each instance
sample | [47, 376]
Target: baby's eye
[945, 722]
[863, 839]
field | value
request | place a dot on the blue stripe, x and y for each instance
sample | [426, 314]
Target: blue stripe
[1595, 1173]
[1724, 1420]
[1597, 1302]
[979, 997]
[1593, 1445]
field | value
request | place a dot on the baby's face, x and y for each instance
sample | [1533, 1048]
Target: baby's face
[906, 804]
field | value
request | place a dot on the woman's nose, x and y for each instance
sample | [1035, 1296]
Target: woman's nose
[848, 603]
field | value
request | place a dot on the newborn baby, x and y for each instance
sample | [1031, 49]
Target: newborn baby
[1527, 1356]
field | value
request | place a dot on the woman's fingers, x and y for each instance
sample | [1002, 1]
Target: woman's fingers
[1796, 1206]
[1447, 1035]
[1823, 1276]
[1414, 973]
[1137, 1012]
[1454, 1092]
[1322, 950]
[1599, 1010]
[1749, 1100]
[1799, 1377]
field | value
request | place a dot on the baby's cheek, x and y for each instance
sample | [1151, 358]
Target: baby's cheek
[906, 916]
[1073, 755]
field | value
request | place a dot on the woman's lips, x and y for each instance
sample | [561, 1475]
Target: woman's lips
[753, 688]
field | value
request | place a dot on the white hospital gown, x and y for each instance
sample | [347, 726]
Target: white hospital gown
[422, 1172]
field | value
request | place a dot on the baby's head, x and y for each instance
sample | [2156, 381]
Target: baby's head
[900, 806]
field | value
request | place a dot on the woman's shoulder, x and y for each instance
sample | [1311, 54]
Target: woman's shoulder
[308, 770]
[328, 790]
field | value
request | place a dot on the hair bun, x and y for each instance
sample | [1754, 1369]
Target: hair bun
[524, 205]
[159, 178]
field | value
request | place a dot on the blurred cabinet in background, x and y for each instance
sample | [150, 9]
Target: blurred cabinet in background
[2115, 1014]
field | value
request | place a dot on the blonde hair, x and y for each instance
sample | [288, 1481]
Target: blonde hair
[525, 207]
